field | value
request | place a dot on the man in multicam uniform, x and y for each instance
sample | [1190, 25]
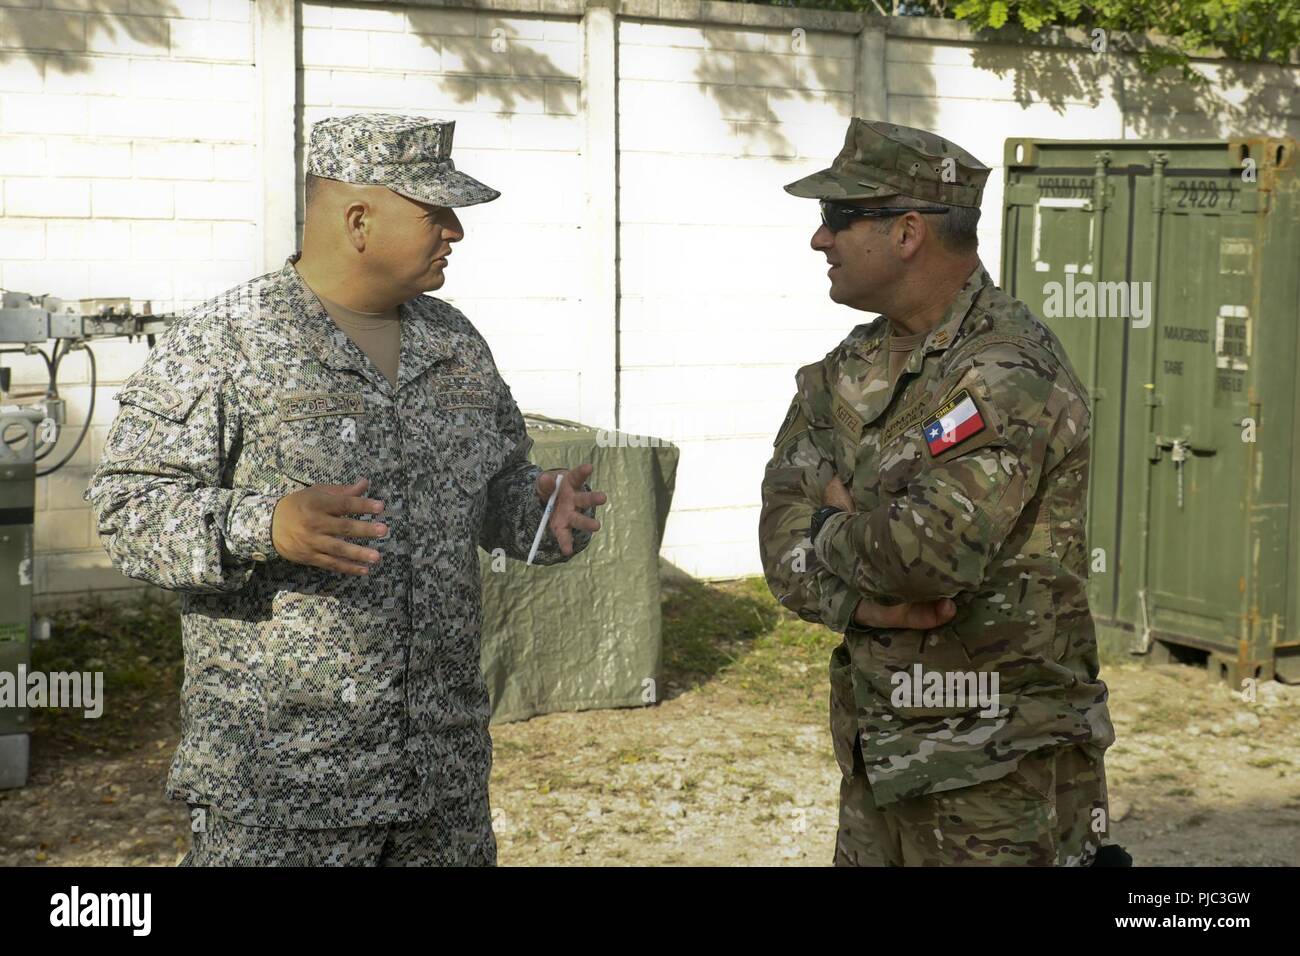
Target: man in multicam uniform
[311, 458]
[926, 497]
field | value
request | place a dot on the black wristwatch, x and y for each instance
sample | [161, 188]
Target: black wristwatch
[819, 518]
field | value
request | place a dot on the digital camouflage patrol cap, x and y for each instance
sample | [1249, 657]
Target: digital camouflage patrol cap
[884, 159]
[410, 155]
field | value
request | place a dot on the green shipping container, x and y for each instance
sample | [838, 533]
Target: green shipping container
[1171, 273]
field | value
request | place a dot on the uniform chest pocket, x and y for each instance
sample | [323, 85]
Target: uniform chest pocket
[323, 450]
[900, 462]
[475, 449]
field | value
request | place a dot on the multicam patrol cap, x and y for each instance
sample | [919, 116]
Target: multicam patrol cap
[410, 155]
[884, 159]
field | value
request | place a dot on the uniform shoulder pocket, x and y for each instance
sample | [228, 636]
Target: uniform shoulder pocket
[901, 461]
[148, 420]
[476, 453]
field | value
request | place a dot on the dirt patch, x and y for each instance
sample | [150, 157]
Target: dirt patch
[733, 767]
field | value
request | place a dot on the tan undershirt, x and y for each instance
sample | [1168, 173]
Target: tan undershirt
[378, 334]
[900, 349]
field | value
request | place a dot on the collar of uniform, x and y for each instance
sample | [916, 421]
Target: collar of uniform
[873, 334]
[425, 341]
[421, 346]
[942, 335]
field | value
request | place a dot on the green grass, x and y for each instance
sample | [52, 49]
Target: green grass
[1268, 761]
[736, 633]
[137, 646]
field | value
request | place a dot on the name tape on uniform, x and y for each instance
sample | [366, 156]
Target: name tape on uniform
[952, 424]
[845, 417]
[319, 404]
[904, 421]
[461, 387]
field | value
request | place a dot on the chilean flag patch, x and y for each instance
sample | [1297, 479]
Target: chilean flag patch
[956, 421]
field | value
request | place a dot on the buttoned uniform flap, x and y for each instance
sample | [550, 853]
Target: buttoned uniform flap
[173, 402]
[476, 455]
[921, 673]
[901, 461]
[319, 439]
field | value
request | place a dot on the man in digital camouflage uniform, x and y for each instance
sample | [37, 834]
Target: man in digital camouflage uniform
[926, 497]
[311, 458]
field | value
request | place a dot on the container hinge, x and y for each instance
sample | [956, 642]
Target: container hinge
[1142, 638]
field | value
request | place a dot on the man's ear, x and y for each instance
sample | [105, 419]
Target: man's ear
[356, 220]
[911, 235]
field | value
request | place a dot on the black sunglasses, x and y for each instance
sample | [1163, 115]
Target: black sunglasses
[836, 216]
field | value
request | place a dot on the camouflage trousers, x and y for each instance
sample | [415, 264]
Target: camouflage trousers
[1050, 811]
[462, 838]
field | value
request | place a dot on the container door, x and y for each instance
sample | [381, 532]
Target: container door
[1201, 347]
[1055, 240]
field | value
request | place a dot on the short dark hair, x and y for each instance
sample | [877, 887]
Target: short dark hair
[309, 189]
[957, 229]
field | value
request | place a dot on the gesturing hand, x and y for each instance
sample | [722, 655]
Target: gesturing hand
[308, 527]
[569, 504]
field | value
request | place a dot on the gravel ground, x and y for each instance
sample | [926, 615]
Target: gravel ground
[734, 767]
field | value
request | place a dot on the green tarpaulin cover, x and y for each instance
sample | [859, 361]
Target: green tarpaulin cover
[585, 634]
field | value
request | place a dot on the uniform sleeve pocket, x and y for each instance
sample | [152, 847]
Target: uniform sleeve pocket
[160, 397]
[900, 463]
[151, 413]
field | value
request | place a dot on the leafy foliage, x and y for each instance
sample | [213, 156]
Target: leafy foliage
[1262, 31]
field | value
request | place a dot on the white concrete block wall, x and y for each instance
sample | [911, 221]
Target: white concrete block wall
[131, 164]
[127, 168]
[511, 84]
[722, 297]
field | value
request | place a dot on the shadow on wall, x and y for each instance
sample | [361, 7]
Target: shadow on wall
[33, 34]
[36, 33]
[499, 69]
[1159, 105]
[1237, 99]
[754, 95]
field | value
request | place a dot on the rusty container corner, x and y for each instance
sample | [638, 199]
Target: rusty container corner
[1170, 270]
